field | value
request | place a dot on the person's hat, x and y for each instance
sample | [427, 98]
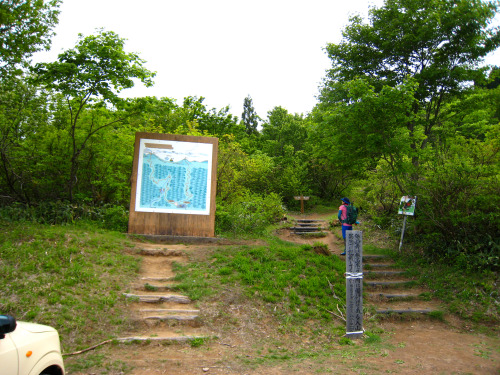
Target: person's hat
[346, 200]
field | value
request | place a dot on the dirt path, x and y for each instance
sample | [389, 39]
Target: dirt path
[244, 339]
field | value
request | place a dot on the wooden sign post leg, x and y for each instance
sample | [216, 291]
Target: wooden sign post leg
[354, 284]
[302, 199]
[402, 233]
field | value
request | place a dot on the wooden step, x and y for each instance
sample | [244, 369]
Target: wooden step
[166, 311]
[374, 257]
[165, 317]
[380, 265]
[392, 296]
[388, 283]
[305, 233]
[309, 221]
[375, 274]
[160, 338]
[158, 298]
[155, 287]
[405, 311]
[158, 279]
[161, 252]
[304, 229]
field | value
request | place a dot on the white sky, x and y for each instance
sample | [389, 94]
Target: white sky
[223, 50]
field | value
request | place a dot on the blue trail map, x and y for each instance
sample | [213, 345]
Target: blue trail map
[174, 177]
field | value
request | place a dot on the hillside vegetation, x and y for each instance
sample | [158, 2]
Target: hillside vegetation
[407, 108]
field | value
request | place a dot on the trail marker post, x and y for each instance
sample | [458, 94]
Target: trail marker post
[302, 199]
[354, 284]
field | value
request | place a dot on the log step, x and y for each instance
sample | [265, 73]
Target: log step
[384, 273]
[309, 221]
[392, 296]
[166, 311]
[380, 265]
[171, 317]
[387, 283]
[301, 233]
[162, 339]
[304, 229]
[405, 311]
[158, 298]
[156, 288]
[158, 279]
[374, 257]
[161, 252]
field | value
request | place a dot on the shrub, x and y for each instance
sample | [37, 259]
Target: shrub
[250, 213]
[109, 216]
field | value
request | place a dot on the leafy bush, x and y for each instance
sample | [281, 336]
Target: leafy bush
[250, 213]
[109, 216]
[459, 203]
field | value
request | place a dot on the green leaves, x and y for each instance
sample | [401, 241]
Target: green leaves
[25, 27]
[97, 68]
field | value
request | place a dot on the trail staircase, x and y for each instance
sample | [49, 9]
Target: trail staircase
[159, 312]
[392, 292]
[308, 226]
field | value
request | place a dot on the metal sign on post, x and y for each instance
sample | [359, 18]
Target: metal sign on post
[354, 284]
[302, 199]
[407, 207]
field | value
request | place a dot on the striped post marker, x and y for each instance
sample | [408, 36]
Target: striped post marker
[354, 284]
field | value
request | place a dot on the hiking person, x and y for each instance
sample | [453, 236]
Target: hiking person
[347, 216]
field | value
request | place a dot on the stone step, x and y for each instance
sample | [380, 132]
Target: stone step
[309, 221]
[150, 298]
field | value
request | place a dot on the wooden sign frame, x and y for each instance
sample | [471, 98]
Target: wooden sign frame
[187, 216]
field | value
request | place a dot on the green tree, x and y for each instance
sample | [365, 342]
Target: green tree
[430, 49]
[249, 116]
[282, 129]
[23, 115]
[25, 27]
[89, 77]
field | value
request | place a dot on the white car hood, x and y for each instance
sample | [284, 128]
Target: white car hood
[34, 328]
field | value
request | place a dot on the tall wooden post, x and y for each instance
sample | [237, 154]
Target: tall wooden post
[354, 284]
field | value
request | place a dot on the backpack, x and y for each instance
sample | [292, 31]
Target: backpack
[351, 215]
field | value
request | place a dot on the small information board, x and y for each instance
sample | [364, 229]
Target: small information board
[407, 205]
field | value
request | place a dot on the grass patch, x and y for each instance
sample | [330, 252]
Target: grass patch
[69, 277]
[471, 295]
[372, 249]
[293, 279]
